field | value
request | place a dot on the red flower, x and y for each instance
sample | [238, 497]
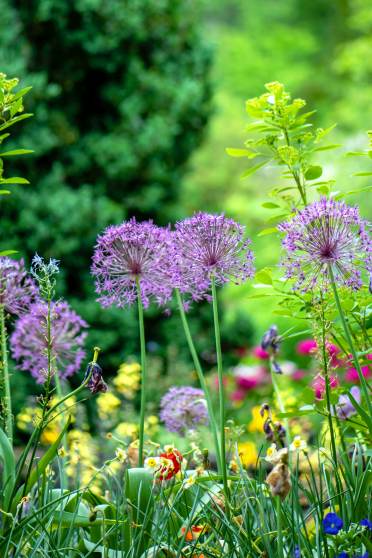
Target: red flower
[170, 464]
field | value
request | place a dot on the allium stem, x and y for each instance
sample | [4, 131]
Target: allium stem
[6, 401]
[143, 373]
[203, 383]
[221, 390]
[329, 411]
[349, 339]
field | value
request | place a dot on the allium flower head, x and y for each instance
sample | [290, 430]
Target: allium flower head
[326, 235]
[210, 246]
[17, 289]
[29, 340]
[129, 252]
[183, 408]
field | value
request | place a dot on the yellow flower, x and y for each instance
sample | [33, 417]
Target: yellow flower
[257, 422]
[126, 430]
[107, 404]
[127, 381]
[248, 454]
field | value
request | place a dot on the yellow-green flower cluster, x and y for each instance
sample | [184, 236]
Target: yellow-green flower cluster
[127, 380]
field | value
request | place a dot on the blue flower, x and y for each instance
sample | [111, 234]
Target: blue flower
[297, 552]
[332, 524]
[366, 523]
[343, 555]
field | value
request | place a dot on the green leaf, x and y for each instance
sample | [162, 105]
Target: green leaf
[362, 174]
[14, 120]
[4, 192]
[14, 180]
[139, 493]
[271, 230]
[237, 152]
[270, 205]
[323, 190]
[253, 169]
[327, 147]
[313, 172]
[8, 474]
[8, 252]
[15, 152]
[264, 277]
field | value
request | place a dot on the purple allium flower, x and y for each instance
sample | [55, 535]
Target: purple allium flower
[345, 407]
[183, 408]
[332, 524]
[326, 234]
[96, 382]
[210, 246]
[29, 340]
[17, 289]
[129, 252]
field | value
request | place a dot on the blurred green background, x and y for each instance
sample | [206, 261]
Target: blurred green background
[135, 102]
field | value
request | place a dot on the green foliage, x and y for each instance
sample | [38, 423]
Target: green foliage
[287, 139]
[123, 96]
[11, 112]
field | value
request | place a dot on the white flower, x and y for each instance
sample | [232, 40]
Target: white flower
[298, 444]
[189, 481]
[271, 453]
[152, 463]
[121, 455]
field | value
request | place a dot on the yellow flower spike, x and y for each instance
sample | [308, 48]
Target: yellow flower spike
[248, 454]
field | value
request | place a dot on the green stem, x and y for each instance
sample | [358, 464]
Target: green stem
[221, 391]
[4, 380]
[329, 410]
[280, 401]
[143, 373]
[203, 383]
[279, 526]
[349, 339]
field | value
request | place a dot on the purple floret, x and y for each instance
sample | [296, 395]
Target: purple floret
[29, 340]
[210, 246]
[326, 235]
[132, 252]
[345, 407]
[183, 409]
[17, 289]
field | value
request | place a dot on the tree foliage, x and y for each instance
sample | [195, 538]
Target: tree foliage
[123, 96]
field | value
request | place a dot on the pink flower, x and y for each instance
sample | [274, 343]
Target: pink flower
[306, 346]
[246, 383]
[260, 353]
[248, 377]
[237, 395]
[352, 376]
[298, 374]
[319, 385]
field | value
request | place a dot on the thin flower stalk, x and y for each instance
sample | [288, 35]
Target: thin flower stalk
[201, 378]
[221, 390]
[6, 400]
[143, 374]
